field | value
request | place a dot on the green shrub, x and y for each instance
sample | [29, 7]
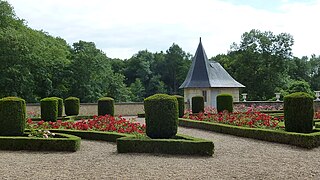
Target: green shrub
[72, 106]
[224, 102]
[62, 142]
[93, 135]
[298, 112]
[181, 105]
[12, 116]
[310, 140]
[197, 104]
[60, 106]
[180, 144]
[49, 109]
[105, 106]
[161, 111]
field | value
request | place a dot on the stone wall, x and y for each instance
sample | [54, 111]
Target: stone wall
[276, 104]
[125, 109]
[129, 109]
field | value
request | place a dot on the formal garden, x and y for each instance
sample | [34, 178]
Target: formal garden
[295, 124]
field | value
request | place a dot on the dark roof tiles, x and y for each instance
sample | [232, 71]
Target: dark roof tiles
[203, 73]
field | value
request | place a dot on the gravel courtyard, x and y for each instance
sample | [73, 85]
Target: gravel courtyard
[234, 158]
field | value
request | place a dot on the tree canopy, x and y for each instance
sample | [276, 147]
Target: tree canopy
[34, 65]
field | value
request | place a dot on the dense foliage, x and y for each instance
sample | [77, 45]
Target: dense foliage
[162, 114]
[180, 104]
[12, 116]
[38, 65]
[106, 106]
[298, 112]
[49, 109]
[197, 104]
[72, 106]
[224, 102]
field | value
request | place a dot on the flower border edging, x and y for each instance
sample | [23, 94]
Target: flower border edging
[183, 145]
[64, 142]
[94, 135]
[311, 140]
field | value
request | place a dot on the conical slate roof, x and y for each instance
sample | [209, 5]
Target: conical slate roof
[203, 73]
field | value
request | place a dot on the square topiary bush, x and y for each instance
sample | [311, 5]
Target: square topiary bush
[12, 116]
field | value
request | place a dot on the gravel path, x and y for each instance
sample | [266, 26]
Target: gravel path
[234, 158]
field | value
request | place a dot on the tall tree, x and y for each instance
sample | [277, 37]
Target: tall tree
[260, 58]
[174, 67]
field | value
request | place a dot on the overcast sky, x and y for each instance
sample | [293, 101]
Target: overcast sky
[123, 27]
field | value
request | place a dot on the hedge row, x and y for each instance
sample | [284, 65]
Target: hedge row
[12, 116]
[310, 140]
[93, 135]
[181, 144]
[63, 142]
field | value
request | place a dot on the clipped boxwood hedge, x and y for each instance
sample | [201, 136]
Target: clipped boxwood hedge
[49, 109]
[181, 144]
[12, 116]
[298, 112]
[72, 106]
[180, 104]
[224, 102]
[161, 111]
[105, 106]
[60, 106]
[310, 140]
[197, 104]
[94, 135]
[63, 142]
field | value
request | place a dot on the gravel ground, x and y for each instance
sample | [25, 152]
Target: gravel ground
[234, 158]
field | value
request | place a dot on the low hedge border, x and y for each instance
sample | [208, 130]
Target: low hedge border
[310, 140]
[141, 115]
[63, 142]
[181, 144]
[94, 135]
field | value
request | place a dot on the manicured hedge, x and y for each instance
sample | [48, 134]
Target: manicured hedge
[49, 109]
[12, 116]
[182, 144]
[298, 112]
[197, 104]
[72, 106]
[60, 106]
[180, 105]
[93, 135]
[310, 140]
[161, 111]
[63, 142]
[105, 106]
[224, 103]
[141, 115]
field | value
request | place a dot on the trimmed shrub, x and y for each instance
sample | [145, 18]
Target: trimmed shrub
[61, 142]
[12, 116]
[105, 106]
[197, 104]
[224, 102]
[49, 109]
[161, 111]
[298, 112]
[72, 106]
[310, 140]
[181, 105]
[60, 106]
[180, 144]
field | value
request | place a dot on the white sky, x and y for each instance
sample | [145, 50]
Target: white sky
[123, 27]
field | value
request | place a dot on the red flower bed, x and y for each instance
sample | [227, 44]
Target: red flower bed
[98, 123]
[246, 119]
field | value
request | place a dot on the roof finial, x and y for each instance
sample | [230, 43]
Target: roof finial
[200, 39]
